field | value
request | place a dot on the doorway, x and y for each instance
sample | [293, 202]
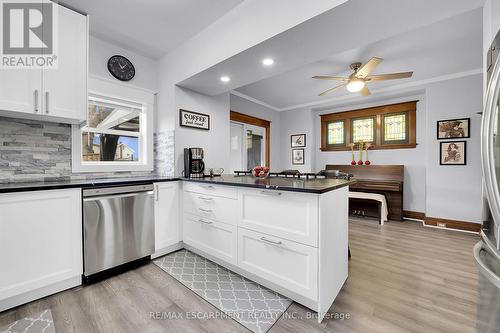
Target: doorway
[249, 142]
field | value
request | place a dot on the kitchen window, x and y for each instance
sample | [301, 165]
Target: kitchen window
[385, 127]
[117, 135]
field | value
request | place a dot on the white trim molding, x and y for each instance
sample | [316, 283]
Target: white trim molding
[117, 92]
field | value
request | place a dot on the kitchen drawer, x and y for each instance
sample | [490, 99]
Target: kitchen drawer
[212, 207]
[285, 214]
[209, 189]
[283, 262]
[215, 238]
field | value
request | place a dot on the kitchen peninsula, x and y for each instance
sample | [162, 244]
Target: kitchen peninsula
[287, 234]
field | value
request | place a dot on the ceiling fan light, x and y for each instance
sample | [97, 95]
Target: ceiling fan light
[355, 86]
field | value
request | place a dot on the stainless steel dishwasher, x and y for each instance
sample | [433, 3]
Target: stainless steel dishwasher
[118, 225]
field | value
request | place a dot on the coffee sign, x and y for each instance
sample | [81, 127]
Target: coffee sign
[194, 119]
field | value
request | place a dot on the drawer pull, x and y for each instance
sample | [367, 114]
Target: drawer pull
[206, 210]
[210, 187]
[205, 221]
[206, 199]
[270, 193]
[270, 241]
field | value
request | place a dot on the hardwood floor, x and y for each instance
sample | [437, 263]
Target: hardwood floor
[402, 278]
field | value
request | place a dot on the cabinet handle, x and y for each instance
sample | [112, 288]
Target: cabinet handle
[35, 97]
[270, 193]
[206, 199]
[205, 221]
[210, 187]
[206, 210]
[47, 102]
[156, 193]
[270, 241]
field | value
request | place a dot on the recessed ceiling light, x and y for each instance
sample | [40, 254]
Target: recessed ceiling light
[268, 62]
[225, 78]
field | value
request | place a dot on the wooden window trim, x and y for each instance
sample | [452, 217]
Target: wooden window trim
[250, 120]
[378, 112]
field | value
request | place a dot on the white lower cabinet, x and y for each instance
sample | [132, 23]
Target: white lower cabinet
[215, 238]
[291, 215]
[280, 261]
[40, 244]
[167, 217]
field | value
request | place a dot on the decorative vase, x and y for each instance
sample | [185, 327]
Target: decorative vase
[367, 146]
[360, 162]
[353, 162]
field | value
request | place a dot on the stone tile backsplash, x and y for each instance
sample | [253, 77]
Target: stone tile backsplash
[33, 150]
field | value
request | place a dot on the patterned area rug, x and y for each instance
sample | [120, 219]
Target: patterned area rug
[255, 307]
[41, 322]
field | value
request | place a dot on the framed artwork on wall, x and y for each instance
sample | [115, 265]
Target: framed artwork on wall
[194, 120]
[453, 153]
[298, 140]
[453, 128]
[297, 156]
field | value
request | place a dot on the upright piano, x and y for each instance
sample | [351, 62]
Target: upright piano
[383, 179]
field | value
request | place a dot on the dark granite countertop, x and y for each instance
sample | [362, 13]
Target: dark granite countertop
[80, 183]
[277, 183]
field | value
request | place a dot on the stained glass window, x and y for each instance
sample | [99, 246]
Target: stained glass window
[335, 133]
[395, 128]
[363, 129]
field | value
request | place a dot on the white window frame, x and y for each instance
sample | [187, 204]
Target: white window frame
[104, 90]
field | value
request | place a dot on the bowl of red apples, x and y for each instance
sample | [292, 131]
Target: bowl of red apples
[260, 171]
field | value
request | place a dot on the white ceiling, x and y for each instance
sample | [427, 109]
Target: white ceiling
[447, 47]
[152, 27]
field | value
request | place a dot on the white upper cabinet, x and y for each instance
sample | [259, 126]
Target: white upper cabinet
[65, 87]
[47, 93]
[20, 90]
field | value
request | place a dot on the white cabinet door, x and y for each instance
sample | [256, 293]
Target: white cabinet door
[290, 215]
[20, 91]
[40, 244]
[286, 263]
[65, 87]
[215, 238]
[167, 218]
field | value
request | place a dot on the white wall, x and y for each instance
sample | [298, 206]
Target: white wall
[300, 121]
[242, 105]
[451, 192]
[214, 142]
[454, 192]
[146, 69]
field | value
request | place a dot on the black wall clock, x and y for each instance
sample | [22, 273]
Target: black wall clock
[121, 68]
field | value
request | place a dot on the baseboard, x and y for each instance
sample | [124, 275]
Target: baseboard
[414, 215]
[167, 250]
[453, 224]
[442, 223]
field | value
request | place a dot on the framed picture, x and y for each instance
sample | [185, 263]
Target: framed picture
[194, 119]
[453, 153]
[453, 128]
[297, 156]
[298, 140]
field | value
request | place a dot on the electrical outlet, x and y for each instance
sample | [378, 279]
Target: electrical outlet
[441, 225]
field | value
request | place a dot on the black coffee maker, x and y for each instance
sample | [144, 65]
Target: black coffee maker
[194, 166]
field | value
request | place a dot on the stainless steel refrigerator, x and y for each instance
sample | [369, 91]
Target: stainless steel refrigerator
[487, 250]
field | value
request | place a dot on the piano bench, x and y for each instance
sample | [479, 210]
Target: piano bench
[379, 198]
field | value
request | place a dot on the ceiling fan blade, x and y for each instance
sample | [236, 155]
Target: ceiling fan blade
[332, 89]
[365, 91]
[367, 68]
[327, 77]
[392, 76]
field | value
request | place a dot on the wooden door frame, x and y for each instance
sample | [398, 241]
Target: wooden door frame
[251, 120]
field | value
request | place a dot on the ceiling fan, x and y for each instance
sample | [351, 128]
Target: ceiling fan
[356, 82]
